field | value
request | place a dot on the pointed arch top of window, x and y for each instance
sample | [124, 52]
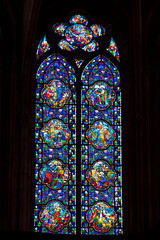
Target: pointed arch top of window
[55, 67]
[101, 68]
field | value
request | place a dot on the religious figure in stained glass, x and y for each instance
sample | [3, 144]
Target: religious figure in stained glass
[101, 217]
[101, 95]
[55, 133]
[54, 216]
[101, 134]
[101, 175]
[56, 93]
[94, 102]
[55, 174]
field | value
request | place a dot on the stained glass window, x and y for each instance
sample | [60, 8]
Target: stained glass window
[55, 176]
[101, 148]
[113, 49]
[43, 47]
[78, 167]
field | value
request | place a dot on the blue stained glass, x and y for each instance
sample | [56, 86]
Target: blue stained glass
[101, 108]
[55, 172]
[79, 34]
[56, 135]
[78, 62]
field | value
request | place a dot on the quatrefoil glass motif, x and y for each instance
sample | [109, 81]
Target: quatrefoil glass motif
[55, 133]
[101, 95]
[101, 216]
[54, 216]
[79, 34]
[55, 174]
[101, 175]
[101, 135]
[55, 93]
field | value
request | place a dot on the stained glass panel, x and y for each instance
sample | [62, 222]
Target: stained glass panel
[101, 161]
[55, 173]
[78, 19]
[98, 30]
[94, 102]
[78, 62]
[43, 47]
[79, 34]
[91, 47]
[113, 49]
[60, 28]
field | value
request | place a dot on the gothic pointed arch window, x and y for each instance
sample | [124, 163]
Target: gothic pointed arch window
[78, 168]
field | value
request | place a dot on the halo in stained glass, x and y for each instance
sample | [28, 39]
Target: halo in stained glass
[54, 216]
[55, 133]
[91, 47]
[60, 28]
[97, 30]
[101, 175]
[101, 216]
[101, 135]
[55, 174]
[55, 93]
[78, 19]
[101, 95]
[43, 47]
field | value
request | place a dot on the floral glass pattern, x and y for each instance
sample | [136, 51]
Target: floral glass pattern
[101, 216]
[55, 174]
[55, 93]
[79, 34]
[43, 47]
[55, 133]
[101, 134]
[101, 175]
[54, 216]
[101, 95]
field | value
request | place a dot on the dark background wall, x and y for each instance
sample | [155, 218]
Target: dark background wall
[135, 27]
